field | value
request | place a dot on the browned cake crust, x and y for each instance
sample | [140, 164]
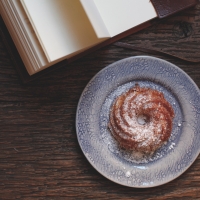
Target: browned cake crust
[125, 124]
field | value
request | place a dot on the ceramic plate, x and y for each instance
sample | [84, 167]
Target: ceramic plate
[102, 151]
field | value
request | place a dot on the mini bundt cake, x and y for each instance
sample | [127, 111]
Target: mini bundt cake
[141, 119]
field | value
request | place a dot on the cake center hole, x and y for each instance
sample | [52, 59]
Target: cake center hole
[142, 119]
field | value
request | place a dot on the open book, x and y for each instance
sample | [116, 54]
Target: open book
[46, 32]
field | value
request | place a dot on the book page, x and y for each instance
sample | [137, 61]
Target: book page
[29, 38]
[23, 35]
[62, 26]
[121, 15]
[95, 18]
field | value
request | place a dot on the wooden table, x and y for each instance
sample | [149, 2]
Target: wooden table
[40, 157]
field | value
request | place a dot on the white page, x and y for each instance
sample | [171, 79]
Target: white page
[62, 26]
[121, 15]
[95, 18]
[23, 35]
[29, 37]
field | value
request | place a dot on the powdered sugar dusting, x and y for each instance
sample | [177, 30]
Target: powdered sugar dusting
[124, 124]
[144, 133]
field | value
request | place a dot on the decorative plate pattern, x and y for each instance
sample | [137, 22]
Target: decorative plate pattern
[100, 148]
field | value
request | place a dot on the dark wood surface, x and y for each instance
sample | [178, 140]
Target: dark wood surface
[40, 157]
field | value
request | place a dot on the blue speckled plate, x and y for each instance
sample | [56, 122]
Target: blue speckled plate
[102, 151]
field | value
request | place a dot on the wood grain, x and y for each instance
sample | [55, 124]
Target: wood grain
[39, 153]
